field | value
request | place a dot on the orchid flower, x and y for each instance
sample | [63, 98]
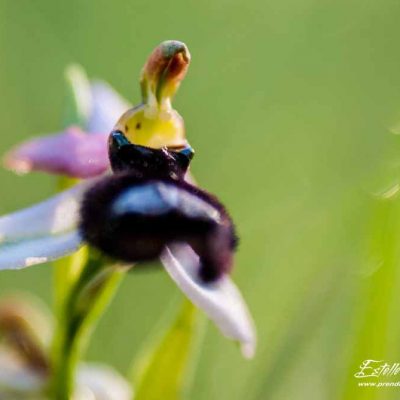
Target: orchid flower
[93, 381]
[49, 230]
[25, 327]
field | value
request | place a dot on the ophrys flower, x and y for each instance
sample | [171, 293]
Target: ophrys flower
[146, 209]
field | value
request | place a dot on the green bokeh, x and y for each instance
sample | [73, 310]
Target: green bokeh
[289, 105]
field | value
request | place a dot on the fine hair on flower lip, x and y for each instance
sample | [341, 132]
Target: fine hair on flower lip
[135, 213]
[132, 219]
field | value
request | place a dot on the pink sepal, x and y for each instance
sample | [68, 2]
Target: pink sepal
[73, 153]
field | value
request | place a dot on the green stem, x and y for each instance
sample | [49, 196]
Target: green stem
[83, 305]
[83, 286]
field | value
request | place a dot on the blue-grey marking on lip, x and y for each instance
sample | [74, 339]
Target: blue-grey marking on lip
[160, 198]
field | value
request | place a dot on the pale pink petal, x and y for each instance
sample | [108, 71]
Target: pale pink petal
[107, 108]
[56, 215]
[33, 251]
[42, 232]
[221, 301]
[72, 153]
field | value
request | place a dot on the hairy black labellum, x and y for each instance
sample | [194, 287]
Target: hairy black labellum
[132, 215]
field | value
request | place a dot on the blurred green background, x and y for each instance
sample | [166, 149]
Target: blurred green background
[292, 107]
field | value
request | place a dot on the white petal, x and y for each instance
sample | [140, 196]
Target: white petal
[107, 108]
[99, 382]
[221, 301]
[28, 252]
[43, 232]
[56, 215]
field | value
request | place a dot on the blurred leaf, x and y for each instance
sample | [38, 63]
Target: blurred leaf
[164, 371]
[306, 319]
[377, 297]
